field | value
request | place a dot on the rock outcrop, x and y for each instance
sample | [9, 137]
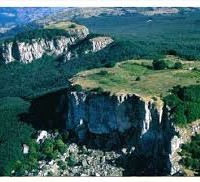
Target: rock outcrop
[130, 121]
[140, 127]
[26, 52]
[99, 43]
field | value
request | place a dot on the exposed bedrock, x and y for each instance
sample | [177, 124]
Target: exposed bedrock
[129, 121]
[28, 51]
[140, 127]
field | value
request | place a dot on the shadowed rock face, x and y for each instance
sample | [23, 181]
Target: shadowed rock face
[111, 123]
[124, 121]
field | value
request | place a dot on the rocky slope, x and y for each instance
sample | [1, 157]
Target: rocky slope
[27, 51]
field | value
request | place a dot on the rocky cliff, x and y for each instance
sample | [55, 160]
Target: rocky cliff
[26, 52]
[129, 121]
[99, 43]
[141, 128]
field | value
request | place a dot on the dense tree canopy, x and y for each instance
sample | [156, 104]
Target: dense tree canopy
[185, 104]
[13, 133]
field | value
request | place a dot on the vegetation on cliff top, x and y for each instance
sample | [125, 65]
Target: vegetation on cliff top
[48, 32]
[31, 35]
[140, 77]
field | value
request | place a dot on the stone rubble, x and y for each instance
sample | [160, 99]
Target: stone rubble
[89, 162]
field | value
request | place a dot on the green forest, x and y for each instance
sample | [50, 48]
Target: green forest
[38, 34]
[185, 104]
[13, 132]
[21, 83]
[190, 155]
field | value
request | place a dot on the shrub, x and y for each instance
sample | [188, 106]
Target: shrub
[102, 73]
[184, 104]
[159, 64]
[154, 98]
[13, 133]
[65, 136]
[192, 111]
[138, 78]
[50, 173]
[71, 161]
[179, 115]
[172, 100]
[60, 146]
[178, 65]
[47, 148]
[72, 26]
[62, 164]
[98, 89]
[77, 88]
[172, 52]
[110, 65]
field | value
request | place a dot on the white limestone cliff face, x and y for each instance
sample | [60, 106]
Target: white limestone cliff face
[26, 52]
[99, 43]
[104, 114]
[33, 49]
[6, 53]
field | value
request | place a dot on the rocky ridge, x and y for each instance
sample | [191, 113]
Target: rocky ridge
[26, 52]
[125, 121]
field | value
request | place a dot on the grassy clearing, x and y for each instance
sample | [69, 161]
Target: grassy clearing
[65, 25]
[123, 77]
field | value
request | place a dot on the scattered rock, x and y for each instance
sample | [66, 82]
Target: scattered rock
[73, 148]
[103, 159]
[97, 174]
[51, 162]
[42, 135]
[124, 151]
[25, 149]
[84, 163]
[84, 175]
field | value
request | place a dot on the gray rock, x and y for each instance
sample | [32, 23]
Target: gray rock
[99, 43]
[84, 175]
[97, 174]
[89, 160]
[103, 159]
[84, 163]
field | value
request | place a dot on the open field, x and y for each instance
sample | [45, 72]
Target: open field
[65, 25]
[138, 76]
